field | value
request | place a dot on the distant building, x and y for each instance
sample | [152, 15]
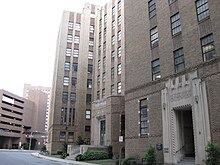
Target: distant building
[37, 94]
[17, 117]
[71, 95]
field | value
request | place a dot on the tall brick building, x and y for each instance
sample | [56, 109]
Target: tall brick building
[71, 95]
[172, 77]
[108, 119]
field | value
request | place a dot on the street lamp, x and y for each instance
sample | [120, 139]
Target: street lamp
[30, 140]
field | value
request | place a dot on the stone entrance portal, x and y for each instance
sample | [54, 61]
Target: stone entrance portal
[186, 129]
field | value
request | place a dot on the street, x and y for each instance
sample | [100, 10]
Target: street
[8, 157]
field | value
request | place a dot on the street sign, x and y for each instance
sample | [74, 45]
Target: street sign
[120, 139]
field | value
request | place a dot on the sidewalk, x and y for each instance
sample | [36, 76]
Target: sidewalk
[61, 160]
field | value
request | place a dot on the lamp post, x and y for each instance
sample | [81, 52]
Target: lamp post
[30, 140]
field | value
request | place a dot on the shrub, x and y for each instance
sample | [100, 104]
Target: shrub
[128, 161]
[92, 155]
[110, 153]
[44, 148]
[64, 155]
[79, 157]
[213, 154]
[151, 155]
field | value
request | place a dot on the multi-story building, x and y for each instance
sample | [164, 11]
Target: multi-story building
[108, 119]
[37, 94]
[17, 116]
[172, 77]
[71, 96]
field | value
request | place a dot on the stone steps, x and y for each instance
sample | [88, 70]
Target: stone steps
[187, 161]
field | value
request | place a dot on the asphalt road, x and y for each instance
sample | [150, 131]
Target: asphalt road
[23, 158]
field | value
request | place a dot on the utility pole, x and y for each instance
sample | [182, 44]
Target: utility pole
[30, 140]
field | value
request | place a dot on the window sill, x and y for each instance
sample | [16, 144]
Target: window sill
[204, 19]
[177, 34]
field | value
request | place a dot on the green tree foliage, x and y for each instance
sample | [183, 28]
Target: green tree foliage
[213, 154]
[151, 156]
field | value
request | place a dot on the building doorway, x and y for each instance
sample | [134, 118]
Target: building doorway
[184, 133]
[102, 132]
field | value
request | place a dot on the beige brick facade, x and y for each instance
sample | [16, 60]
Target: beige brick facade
[193, 90]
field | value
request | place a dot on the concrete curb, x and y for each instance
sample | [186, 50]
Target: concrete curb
[61, 160]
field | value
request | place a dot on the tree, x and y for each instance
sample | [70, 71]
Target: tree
[151, 156]
[213, 154]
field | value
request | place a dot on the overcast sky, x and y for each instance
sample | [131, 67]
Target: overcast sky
[28, 33]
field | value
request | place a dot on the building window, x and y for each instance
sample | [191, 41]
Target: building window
[103, 93]
[119, 35]
[74, 81]
[75, 52]
[171, 1]
[154, 37]
[113, 39]
[119, 5]
[179, 60]
[88, 114]
[99, 64]
[119, 20]
[77, 26]
[70, 25]
[112, 89]
[91, 41]
[113, 54]
[71, 137]
[100, 24]
[122, 125]
[119, 87]
[91, 29]
[87, 128]
[88, 98]
[98, 79]
[63, 116]
[90, 68]
[208, 47]
[62, 136]
[89, 83]
[65, 96]
[119, 51]
[152, 8]
[202, 9]
[98, 95]
[90, 55]
[104, 47]
[76, 39]
[67, 66]
[66, 81]
[99, 50]
[104, 35]
[113, 10]
[104, 62]
[73, 97]
[112, 73]
[103, 77]
[175, 24]
[75, 67]
[69, 38]
[119, 69]
[105, 18]
[155, 69]
[68, 51]
[144, 123]
[113, 25]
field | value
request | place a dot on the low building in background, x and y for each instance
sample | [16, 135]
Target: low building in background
[18, 118]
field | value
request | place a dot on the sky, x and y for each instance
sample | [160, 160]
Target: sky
[28, 34]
